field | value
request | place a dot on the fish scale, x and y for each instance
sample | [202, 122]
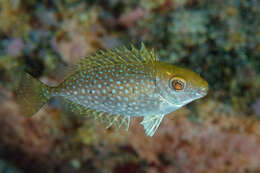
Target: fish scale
[115, 89]
[114, 85]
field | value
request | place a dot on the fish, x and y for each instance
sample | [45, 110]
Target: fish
[115, 85]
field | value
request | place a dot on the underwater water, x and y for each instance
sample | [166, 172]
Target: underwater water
[218, 39]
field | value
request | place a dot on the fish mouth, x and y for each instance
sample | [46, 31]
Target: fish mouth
[203, 91]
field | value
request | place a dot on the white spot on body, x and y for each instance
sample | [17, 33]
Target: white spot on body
[83, 91]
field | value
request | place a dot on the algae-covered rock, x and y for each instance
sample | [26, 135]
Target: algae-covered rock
[218, 39]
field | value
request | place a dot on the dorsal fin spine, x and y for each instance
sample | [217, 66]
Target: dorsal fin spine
[121, 55]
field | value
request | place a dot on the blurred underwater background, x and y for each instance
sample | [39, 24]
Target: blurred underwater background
[219, 39]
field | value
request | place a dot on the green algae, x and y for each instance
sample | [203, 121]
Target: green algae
[7, 167]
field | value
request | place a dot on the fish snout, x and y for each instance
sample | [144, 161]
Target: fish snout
[203, 91]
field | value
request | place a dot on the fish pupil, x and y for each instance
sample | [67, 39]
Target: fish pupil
[177, 85]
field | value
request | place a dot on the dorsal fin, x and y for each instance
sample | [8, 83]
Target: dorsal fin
[121, 55]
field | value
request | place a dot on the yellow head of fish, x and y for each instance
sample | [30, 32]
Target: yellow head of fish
[179, 86]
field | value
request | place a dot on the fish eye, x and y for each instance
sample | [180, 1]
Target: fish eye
[177, 83]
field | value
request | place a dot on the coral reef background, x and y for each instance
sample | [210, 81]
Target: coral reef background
[220, 39]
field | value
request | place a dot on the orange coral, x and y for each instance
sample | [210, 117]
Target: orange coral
[79, 36]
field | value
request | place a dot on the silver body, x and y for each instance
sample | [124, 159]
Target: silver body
[117, 90]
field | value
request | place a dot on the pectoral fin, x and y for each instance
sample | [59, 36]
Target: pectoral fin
[151, 123]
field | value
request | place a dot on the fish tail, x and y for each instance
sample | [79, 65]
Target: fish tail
[32, 94]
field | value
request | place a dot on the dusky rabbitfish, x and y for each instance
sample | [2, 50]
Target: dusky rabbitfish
[115, 85]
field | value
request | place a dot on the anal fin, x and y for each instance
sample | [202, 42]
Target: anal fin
[117, 120]
[151, 124]
[102, 117]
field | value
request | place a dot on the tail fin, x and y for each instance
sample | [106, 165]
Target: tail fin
[31, 94]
